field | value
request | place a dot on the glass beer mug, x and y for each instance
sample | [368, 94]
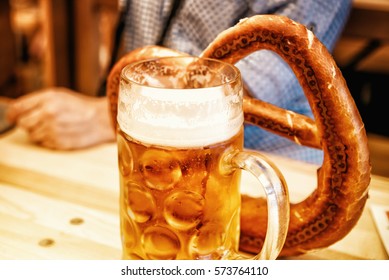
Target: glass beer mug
[180, 146]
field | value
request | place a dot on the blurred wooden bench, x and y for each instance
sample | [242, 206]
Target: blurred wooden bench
[79, 37]
[364, 44]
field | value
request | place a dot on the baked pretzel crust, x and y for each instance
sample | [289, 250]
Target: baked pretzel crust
[335, 206]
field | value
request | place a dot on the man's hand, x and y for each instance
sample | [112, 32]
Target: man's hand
[59, 118]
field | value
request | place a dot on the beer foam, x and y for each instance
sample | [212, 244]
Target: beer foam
[179, 117]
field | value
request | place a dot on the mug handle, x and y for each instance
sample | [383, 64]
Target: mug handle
[275, 188]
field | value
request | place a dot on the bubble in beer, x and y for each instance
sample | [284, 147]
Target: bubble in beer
[160, 243]
[160, 169]
[195, 170]
[128, 233]
[209, 238]
[140, 202]
[125, 156]
[134, 257]
[184, 209]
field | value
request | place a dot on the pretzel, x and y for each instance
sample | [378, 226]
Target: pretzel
[334, 207]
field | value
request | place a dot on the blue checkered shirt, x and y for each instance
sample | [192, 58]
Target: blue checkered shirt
[190, 25]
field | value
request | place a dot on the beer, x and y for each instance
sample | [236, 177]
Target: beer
[178, 203]
[180, 142]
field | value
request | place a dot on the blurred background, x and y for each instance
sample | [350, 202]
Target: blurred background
[55, 43]
[68, 43]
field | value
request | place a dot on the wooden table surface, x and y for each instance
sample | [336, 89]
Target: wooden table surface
[64, 205]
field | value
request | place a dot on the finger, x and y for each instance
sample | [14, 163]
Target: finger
[24, 105]
[32, 119]
[48, 143]
[39, 134]
[56, 143]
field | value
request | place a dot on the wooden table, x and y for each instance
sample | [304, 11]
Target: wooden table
[64, 205]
